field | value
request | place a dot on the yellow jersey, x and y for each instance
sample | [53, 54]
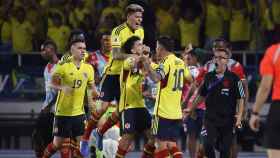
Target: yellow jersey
[131, 87]
[173, 73]
[120, 35]
[78, 79]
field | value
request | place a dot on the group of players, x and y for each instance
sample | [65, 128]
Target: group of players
[212, 103]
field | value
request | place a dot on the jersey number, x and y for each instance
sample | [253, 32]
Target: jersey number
[178, 84]
[77, 84]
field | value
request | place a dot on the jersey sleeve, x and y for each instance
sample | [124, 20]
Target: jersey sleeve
[239, 71]
[59, 71]
[128, 63]
[154, 66]
[238, 88]
[163, 69]
[90, 76]
[115, 39]
[266, 66]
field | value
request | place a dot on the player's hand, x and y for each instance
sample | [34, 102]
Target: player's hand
[46, 109]
[186, 113]
[254, 122]
[95, 94]
[67, 90]
[188, 48]
[146, 50]
[238, 123]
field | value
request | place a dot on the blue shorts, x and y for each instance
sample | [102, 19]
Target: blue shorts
[166, 129]
[195, 126]
[110, 88]
[135, 120]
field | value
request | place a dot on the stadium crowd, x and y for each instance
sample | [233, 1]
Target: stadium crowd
[243, 22]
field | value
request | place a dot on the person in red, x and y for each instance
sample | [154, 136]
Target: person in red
[193, 57]
[99, 58]
[270, 72]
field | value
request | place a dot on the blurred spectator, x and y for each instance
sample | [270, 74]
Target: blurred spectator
[114, 9]
[166, 24]
[59, 33]
[89, 4]
[78, 13]
[189, 27]
[89, 27]
[6, 29]
[61, 7]
[36, 15]
[240, 25]
[214, 20]
[22, 32]
[107, 24]
[272, 21]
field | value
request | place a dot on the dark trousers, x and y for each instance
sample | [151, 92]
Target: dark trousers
[219, 137]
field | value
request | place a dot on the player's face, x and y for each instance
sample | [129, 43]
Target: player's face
[106, 43]
[78, 50]
[220, 59]
[189, 59]
[134, 20]
[47, 52]
[137, 47]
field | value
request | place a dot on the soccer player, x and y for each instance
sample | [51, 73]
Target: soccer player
[222, 91]
[120, 34]
[99, 58]
[42, 134]
[171, 75]
[135, 118]
[270, 72]
[71, 79]
[192, 58]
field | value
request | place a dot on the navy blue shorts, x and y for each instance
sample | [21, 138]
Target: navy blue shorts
[272, 128]
[69, 126]
[135, 120]
[166, 129]
[110, 88]
[195, 126]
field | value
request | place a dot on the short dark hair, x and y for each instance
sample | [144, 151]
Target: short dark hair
[76, 35]
[132, 8]
[49, 42]
[100, 34]
[221, 44]
[166, 42]
[129, 44]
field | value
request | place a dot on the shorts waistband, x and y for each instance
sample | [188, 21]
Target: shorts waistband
[276, 101]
